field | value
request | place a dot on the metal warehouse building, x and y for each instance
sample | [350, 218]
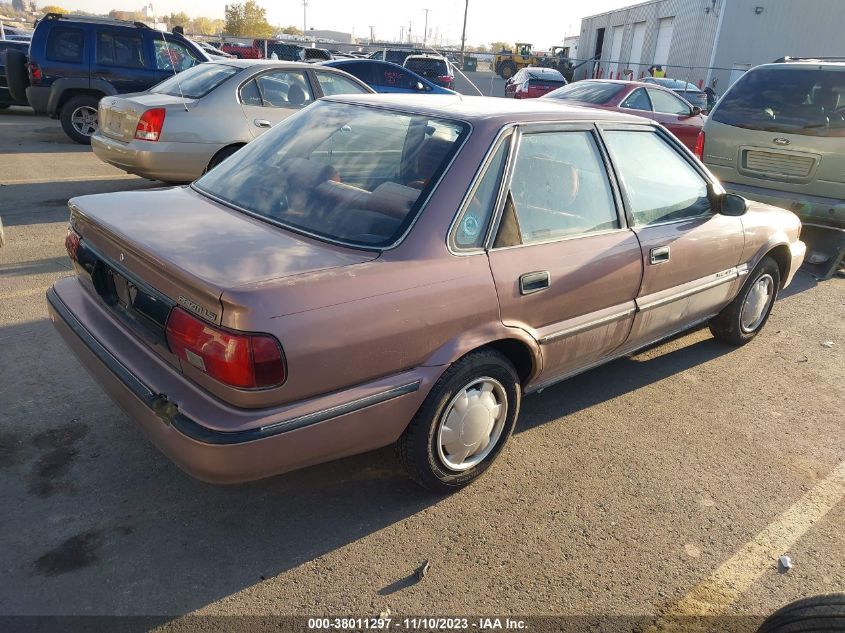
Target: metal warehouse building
[704, 41]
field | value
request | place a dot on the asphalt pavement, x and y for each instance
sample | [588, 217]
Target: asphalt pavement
[664, 484]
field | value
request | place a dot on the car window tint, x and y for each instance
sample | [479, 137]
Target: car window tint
[560, 187]
[637, 100]
[361, 70]
[661, 185]
[250, 94]
[332, 84]
[348, 173]
[803, 101]
[472, 227]
[65, 44]
[171, 55]
[284, 89]
[125, 50]
[393, 77]
[667, 103]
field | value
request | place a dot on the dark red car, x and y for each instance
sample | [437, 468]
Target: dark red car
[633, 97]
[530, 83]
[243, 51]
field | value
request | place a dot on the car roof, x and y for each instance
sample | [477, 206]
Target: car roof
[426, 56]
[470, 109]
[542, 70]
[805, 64]
[269, 63]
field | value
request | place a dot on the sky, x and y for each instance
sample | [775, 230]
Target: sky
[487, 21]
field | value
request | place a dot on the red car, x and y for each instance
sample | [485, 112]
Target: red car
[633, 97]
[243, 51]
[530, 83]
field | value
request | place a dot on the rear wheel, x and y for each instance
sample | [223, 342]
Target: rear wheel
[222, 155]
[79, 118]
[463, 424]
[816, 614]
[745, 316]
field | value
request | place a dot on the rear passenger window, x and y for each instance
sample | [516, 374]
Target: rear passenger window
[332, 84]
[120, 49]
[662, 187]
[637, 100]
[283, 89]
[667, 103]
[250, 94]
[65, 44]
[560, 187]
[472, 227]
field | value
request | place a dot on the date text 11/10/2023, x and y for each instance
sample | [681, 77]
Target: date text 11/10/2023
[426, 623]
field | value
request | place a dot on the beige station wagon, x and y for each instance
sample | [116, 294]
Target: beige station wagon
[383, 269]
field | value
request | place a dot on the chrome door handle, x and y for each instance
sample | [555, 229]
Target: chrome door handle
[261, 123]
[659, 254]
[533, 282]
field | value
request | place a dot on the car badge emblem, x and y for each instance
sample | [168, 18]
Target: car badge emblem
[780, 141]
[122, 257]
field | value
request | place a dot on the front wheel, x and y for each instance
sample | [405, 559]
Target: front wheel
[745, 316]
[507, 70]
[463, 424]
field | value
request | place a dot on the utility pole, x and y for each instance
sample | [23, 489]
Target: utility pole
[464, 32]
[401, 34]
[304, 16]
[372, 33]
[425, 29]
[410, 24]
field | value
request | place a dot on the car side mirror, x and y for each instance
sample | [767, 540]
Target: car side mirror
[420, 86]
[695, 111]
[733, 205]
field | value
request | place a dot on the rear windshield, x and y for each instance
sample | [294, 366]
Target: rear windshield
[427, 67]
[351, 174]
[195, 82]
[550, 76]
[586, 91]
[789, 100]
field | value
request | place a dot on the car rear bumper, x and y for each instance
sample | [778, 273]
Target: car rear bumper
[38, 97]
[161, 160]
[261, 442]
[810, 209]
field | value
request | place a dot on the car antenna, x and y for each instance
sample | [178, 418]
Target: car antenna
[175, 74]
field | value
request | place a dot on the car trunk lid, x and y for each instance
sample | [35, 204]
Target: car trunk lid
[118, 116]
[179, 247]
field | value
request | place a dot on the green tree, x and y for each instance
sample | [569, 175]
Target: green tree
[52, 8]
[247, 19]
[206, 26]
[495, 47]
[291, 30]
[179, 19]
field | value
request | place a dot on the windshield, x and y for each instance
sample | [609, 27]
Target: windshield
[790, 100]
[586, 91]
[351, 174]
[195, 82]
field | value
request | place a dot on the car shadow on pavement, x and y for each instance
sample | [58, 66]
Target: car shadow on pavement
[36, 203]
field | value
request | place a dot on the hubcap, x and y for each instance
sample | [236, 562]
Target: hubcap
[756, 301]
[472, 424]
[84, 120]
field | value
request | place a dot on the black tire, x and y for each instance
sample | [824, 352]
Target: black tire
[4, 106]
[420, 449]
[507, 70]
[809, 615]
[221, 155]
[17, 76]
[727, 326]
[71, 108]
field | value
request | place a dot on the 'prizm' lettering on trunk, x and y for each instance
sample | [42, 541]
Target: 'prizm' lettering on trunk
[196, 308]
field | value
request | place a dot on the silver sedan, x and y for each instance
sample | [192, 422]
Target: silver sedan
[191, 122]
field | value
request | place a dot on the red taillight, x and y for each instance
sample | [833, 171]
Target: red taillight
[247, 361]
[72, 244]
[446, 79]
[34, 73]
[150, 124]
[699, 146]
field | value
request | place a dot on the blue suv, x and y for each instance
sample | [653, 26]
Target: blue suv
[76, 60]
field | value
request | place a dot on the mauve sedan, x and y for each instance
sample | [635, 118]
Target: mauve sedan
[531, 83]
[654, 102]
[191, 122]
[395, 269]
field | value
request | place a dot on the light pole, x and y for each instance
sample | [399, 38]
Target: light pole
[464, 32]
[304, 16]
[425, 29]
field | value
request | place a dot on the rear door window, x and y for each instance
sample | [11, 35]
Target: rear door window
[803, 101]
[361, 70]
[334, 84]
[65, 44]
[637, 100]
[173, 56]
[560, 187]
[125, 50]
[284, 89]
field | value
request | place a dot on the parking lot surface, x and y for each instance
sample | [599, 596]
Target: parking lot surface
[663, 484]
